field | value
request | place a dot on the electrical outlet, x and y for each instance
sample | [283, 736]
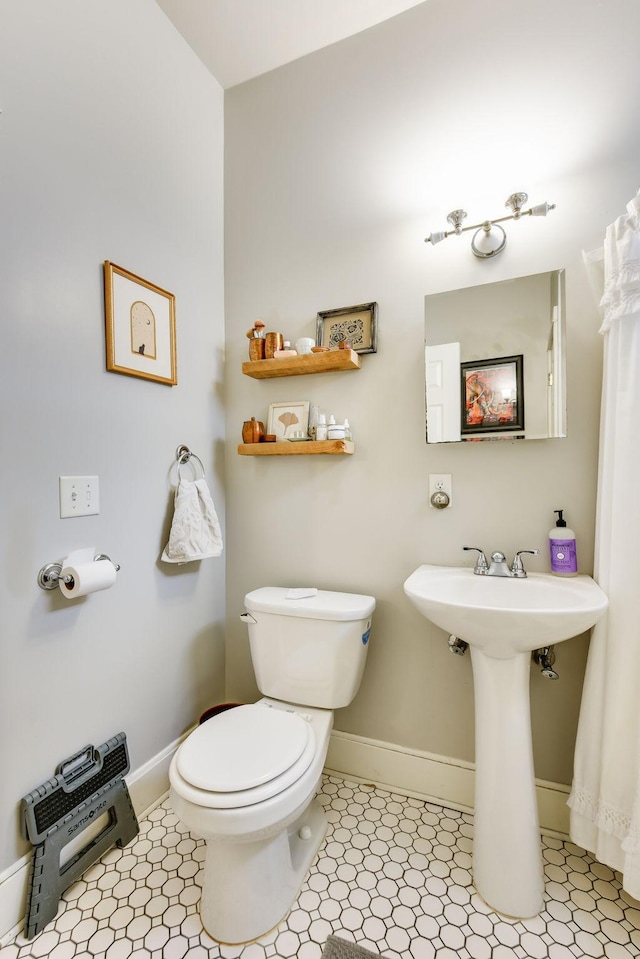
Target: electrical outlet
[79, 496]
[440, 483]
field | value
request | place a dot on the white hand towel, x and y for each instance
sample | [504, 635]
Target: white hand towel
[195, 530]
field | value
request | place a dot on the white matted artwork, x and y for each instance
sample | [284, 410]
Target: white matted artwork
[140, 327]
[285, 419]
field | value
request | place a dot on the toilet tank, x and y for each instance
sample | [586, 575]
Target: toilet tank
[311, 650]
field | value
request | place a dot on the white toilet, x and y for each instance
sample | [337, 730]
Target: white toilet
[245, 779]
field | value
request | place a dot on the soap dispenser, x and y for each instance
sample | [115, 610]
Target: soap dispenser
[562, 545]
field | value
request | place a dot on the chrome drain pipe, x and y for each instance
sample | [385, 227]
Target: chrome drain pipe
[457, 646]
[545, 657]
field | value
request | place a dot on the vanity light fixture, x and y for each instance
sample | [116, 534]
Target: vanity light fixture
[490, 239]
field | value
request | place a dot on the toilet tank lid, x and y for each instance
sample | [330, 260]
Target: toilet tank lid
[323, 604]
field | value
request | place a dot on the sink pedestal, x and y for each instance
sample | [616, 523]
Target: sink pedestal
[503, 619]
[507, 855]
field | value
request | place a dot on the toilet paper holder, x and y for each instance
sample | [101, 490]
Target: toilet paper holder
[51, 573]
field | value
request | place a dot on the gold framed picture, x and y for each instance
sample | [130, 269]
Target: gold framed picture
[354, 326]
[140, 327]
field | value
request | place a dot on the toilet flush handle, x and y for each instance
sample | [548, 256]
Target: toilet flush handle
[247, 618]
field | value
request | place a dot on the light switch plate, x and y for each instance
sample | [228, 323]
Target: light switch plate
[79, 496]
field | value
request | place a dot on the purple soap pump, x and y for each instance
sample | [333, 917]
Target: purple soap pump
[562, 545]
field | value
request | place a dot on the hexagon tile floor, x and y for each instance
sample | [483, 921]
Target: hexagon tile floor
[393, 875]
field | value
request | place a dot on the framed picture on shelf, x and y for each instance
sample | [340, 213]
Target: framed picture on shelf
[287, 419]
[140, 327]
[492, 395]
[353, 325]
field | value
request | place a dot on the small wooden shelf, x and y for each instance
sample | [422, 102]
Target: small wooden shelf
[285, 448]
[330, 362]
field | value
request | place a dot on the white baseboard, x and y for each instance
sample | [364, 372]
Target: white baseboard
[425, 776]
[448, 782]
[13, 895]
[147, 786]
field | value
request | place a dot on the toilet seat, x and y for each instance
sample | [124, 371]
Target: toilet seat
[244, 756]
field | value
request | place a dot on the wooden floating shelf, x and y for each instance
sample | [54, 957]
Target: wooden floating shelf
[285, 448]
[330, 362]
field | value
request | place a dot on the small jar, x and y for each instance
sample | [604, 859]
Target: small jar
[273, 342]
[252, 431]
[335, 432]
[257, 348]
[305, 344]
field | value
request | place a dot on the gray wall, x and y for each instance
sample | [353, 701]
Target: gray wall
[337, 167]
[111, 143]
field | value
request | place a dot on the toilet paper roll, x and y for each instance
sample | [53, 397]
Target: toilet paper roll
[86, 578]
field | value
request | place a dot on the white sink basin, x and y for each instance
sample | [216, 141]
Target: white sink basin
[502, 616]
[503, 620]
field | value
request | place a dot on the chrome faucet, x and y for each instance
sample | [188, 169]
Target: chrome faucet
[499, 565]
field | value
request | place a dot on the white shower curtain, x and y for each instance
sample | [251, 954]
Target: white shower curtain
[605, 798]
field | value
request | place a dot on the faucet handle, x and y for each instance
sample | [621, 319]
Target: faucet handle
[482, 566]
[517, 569]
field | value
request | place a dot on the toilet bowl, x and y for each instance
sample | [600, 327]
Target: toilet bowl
[262, 830]
[245, 779]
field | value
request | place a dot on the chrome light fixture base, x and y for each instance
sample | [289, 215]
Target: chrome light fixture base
[489, 239]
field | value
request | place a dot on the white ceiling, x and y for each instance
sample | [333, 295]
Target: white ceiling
[240, 39]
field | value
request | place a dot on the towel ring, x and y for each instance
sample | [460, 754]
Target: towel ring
[183, 455]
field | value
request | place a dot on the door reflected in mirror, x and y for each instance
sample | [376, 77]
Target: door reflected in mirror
[495, 361]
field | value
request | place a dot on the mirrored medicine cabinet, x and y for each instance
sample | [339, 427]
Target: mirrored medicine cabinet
[495, 361]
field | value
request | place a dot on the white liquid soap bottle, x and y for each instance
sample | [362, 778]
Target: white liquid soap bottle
[562, 546]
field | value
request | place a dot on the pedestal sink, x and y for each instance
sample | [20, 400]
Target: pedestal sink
[503, 620]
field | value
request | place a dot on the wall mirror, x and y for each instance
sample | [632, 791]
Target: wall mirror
[495, 361]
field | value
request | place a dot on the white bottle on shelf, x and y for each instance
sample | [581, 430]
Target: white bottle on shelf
[321, 427]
